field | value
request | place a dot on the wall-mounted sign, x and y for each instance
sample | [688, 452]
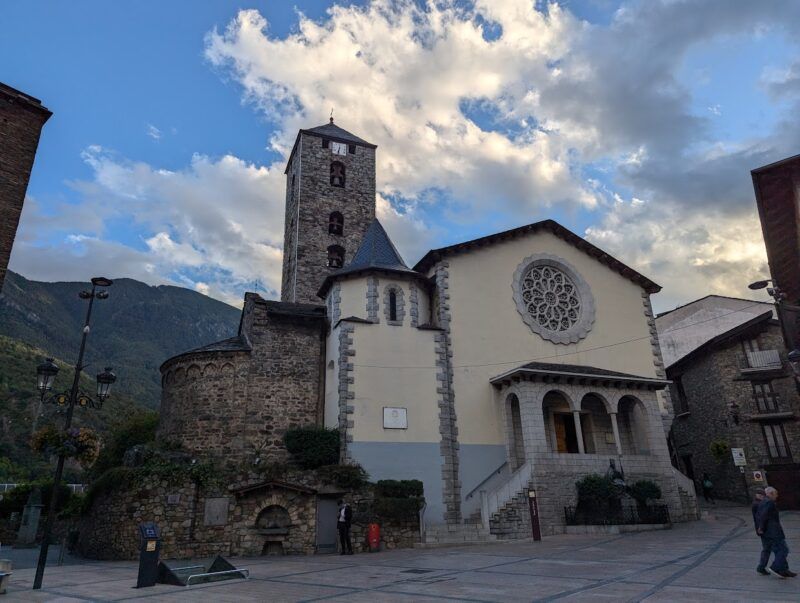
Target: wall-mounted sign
[738, 457]
[395, 418]
[758, 476]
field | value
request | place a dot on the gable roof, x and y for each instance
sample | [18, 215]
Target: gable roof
[376, 252]
[332, 132]
[434, 255]
[691, 326]
[553, 370]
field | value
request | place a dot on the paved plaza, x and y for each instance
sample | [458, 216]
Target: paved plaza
[709, 560]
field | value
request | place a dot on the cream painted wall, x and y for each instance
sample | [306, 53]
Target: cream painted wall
[382, 345]
[353, 297]
[487, 329]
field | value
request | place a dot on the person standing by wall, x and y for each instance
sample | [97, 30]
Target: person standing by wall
[708, 489]
[766, 548]
[343, 525]
[768, 525]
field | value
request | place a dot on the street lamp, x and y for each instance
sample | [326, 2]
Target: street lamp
[45, 376]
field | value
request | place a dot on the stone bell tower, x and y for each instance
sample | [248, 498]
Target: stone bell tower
[330, 203]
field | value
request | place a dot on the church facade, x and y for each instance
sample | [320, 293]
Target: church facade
[519, 361]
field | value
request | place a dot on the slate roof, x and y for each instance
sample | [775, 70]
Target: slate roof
[377, 252]
[434, 255]
[332, 131]
[691, 326]
[232, 344]
[575, 370]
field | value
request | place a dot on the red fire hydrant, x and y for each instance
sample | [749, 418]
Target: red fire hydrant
[374, 537]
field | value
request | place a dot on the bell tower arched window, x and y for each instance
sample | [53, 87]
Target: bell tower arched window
[336, 223]
[335, 256]
[337, 174]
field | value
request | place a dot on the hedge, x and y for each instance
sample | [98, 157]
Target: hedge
[313, 447]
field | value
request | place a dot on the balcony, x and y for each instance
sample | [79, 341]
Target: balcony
[761, 362]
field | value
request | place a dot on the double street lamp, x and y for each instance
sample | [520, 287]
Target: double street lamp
[46, 373]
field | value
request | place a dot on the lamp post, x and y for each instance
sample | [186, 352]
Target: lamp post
[46, 373]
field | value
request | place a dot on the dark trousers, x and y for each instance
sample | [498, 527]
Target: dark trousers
[708, 495]
[766, 551]
[344, 537]
[781, 551]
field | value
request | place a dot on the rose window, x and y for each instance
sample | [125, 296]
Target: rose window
[551, 298]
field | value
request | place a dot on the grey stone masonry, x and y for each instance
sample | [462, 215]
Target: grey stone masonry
[448, 427]
[399, 307]
[372, 299]
[658, 360]
[414, 302]
[310, 200]
[346, 392]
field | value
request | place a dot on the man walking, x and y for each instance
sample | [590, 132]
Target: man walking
[343, 525]
[766, 547]
[768, 526]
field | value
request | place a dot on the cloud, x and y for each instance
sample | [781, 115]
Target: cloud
[216, 222]
[485, 113]
[688, 254]
[499, 108]
[153, 132]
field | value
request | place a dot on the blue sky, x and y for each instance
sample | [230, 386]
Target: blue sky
[633, 123]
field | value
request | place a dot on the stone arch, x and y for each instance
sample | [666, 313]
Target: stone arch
[336, 223]
[559, 426]
[180, 375]
[598, 431]
[337, 174]
[633, 425]
[227, 368]
[193, 372]
[516, 441]
[335, 256]
[209, 369]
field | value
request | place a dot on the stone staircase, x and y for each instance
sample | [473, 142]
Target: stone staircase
[691, 511]
[513, 520]
[455, 535]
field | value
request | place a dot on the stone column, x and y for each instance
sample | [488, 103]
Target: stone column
[576, 415]
[615, 427]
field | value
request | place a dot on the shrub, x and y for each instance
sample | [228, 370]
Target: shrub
[397, 509]
[116, 477]
[644, 490]
[349, 477]
[81, 443]
[135, 430]
[405, 488]
[719, 449]
[14, 500]
[313, 447]
[594, 489]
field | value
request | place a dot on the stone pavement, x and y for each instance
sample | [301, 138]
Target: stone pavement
[710, 560]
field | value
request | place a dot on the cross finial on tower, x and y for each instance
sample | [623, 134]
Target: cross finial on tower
[331, 114]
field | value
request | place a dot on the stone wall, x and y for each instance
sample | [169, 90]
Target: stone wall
[306, 236]
[21, 121]
[239, 404]
[711, 382]
[195, 522]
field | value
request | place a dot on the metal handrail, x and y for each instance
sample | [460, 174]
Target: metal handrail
[245, 572]
[486, 479]
[494, 500]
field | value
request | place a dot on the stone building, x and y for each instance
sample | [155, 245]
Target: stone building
[21, 121]
[731, 385]
[524, 359]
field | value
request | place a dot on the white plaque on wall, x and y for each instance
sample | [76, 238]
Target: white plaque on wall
[395, 418]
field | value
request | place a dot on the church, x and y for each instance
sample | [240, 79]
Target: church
[520, 361]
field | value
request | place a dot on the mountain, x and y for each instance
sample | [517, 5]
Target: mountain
[136, 329]
[20, 404]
